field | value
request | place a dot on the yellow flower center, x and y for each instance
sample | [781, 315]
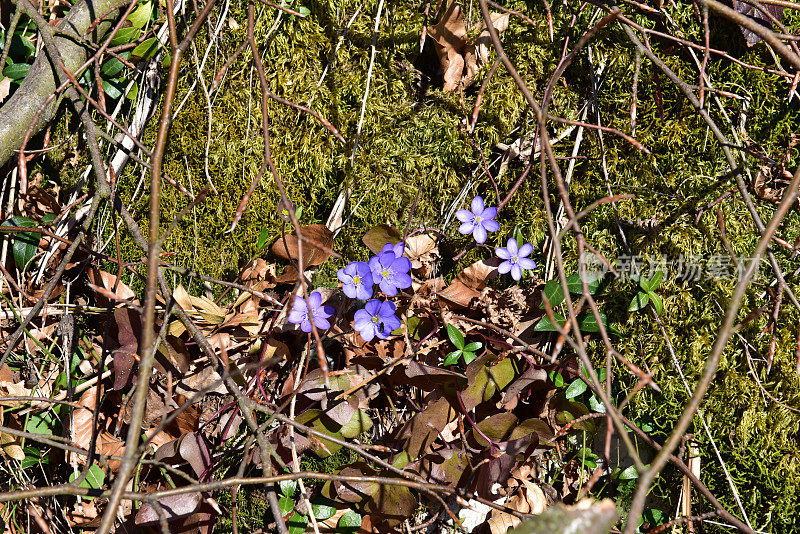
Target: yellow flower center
[375, 319]
[385, 273]
[478, 219]
[356, 280]
[514, 259]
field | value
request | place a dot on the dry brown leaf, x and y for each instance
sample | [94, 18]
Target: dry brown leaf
[459, 294]
[529, 499]
[5, 87]
[461, 59]
[313, 236]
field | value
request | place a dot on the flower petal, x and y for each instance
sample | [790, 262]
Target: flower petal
[502, 253]
[361, 319]
[516, 272]
[525, 250]
[322, 323]
[387, 309]
[296, 316]
[367, 333]
[477, 205]
[362, 291]
[527, 263]
[391, 324]
[305, 326]
[512, 246]
[351, 290]
[343, 276]
[388, 287]
[372, 307]
[314, 300]
[466, 228]
[401, 280]
[504, 267]
[489, 213]
[479, 233]
[325, 311]
[464, 215]
[401, 265]
[491, 225]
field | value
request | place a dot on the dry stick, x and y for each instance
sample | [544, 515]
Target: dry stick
[149, 341]
[547, 150]
[725, 331]
[323, 362]
[373, 51]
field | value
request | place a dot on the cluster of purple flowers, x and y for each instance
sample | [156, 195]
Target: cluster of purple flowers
[389, 270]
[478, 220]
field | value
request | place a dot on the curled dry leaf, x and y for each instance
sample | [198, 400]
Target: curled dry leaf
[314, 235]
[171, 507]
[459, 57]
[529, 499]
[108, 286]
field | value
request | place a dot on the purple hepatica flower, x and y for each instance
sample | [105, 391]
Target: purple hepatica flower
[300, 312]
[478, 220]
[390, 272]
[398, 249]
[357, 280]
[515, 257]
[376, 319]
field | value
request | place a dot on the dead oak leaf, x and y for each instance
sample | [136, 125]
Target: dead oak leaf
[461, 57]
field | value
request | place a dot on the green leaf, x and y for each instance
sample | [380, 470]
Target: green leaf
[452, 358]
[112, 67]
[556, 378]
[474, 346]
[286, 505]
[263, 236]
[113, 88]
[349, 523]
[469, 357]
[518, 236]
[456, 337]
[658, 304]
[17, 71]
[94, 478]
[297, 524]
[304, 11]
[25, 243]
[629, 473]
[639, 301]
[42, 423]
[141, 15]
[125, 36]
[288, 487]
[653, 283]
[147, 48]
[577, 387]
[323, 510]
[358, 424]
[596, 405]
[133, 92]
[546, 326]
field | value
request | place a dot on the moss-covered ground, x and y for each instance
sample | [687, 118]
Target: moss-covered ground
[414, 141]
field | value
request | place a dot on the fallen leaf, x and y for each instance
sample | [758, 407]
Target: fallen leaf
[313, 236]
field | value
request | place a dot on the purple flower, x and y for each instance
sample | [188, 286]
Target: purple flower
[478, 220]
[515, 258]
[376, 319]
[300, 312]
[357, 280]
[398, 249]
[390, 272]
